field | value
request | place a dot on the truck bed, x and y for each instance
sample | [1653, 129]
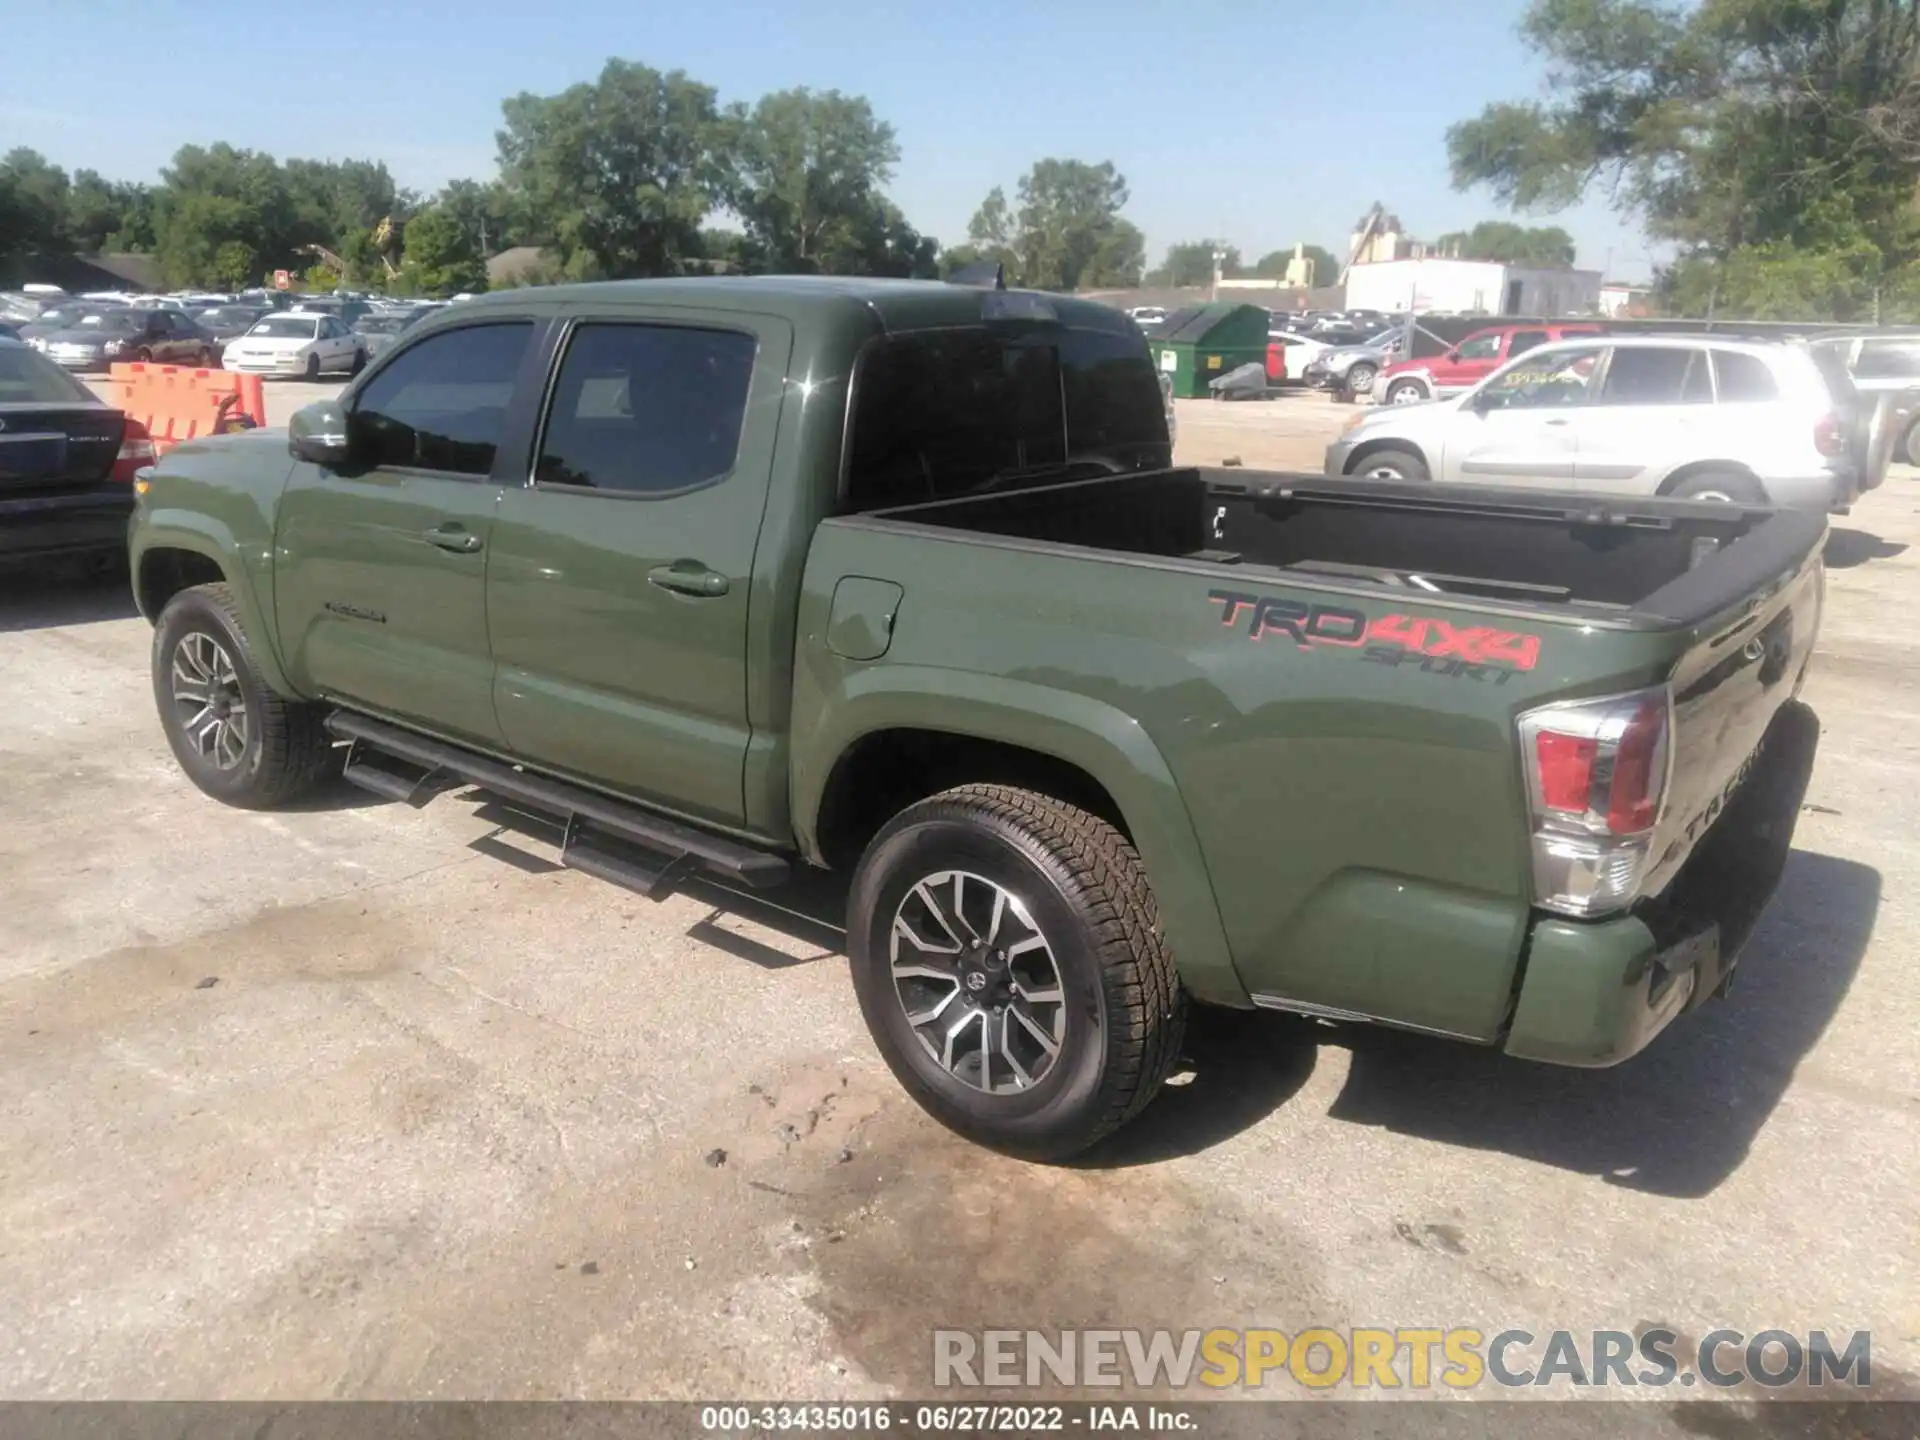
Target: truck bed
[1648, 557]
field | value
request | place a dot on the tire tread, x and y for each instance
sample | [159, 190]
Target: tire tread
[1147, 1008]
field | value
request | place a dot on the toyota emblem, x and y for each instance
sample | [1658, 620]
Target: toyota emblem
[3, 424]
[976, 981]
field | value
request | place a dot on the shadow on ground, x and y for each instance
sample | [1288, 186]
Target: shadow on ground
[1679, 1118]
[46, 594]
[1847, 548]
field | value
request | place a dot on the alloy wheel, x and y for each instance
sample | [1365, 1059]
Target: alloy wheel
[1404, 395]
[977, 981]
[208, 700]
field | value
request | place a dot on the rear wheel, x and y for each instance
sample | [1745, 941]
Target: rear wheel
[1728, 486]
[1910, 444]
[143, 355]
[1008, 957]
[236, 738]
[1405, 392]
[1390, 465]
[359, 362]
[313, 367]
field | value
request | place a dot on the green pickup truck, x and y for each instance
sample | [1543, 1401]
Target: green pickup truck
[899, 578]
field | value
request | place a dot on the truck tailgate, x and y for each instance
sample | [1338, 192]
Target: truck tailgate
[1727, 687]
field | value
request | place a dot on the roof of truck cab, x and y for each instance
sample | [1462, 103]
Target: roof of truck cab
[894, 304]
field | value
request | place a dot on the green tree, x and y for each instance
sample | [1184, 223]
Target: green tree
[1066, 232]
[33, 206]
[484, 212]
[109, 215]
[1510, 244]
[1755, 134]
[1190, 263]
[216, 195]
[805, 174]
[621, 172]
[440, 257]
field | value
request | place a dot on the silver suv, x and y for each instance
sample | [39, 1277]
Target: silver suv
[1749, 421]
[1884, 365]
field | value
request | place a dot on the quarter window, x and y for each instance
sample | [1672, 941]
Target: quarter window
[1744, 379]
[646, 409]
[442, 404]
[1888, 360]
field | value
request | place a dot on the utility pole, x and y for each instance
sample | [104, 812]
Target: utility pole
[1219, 259]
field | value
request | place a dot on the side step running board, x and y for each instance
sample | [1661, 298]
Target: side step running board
[604, 837]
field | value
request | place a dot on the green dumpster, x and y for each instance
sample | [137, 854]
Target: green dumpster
[1198, 345]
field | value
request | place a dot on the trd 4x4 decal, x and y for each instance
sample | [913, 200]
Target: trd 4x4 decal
[1438, 647]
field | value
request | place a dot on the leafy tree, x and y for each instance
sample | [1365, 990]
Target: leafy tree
[1066, 232]
[484, 212]
[1510, 244]
[1758, 135]
[440, 257]
[621, 172]
[235, 266]
[213, 196]
[806, 171]
[1190, 263]
[33, 205]
[109, 215]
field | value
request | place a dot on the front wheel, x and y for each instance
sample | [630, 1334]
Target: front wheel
[1727, 486]
[1405, 392]
[1008, 957]
[1910, 444]
[313, 367]
[1391, 465]
[237, 739]
[1360, 379]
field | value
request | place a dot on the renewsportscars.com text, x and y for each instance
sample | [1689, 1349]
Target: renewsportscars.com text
[1403, 1358]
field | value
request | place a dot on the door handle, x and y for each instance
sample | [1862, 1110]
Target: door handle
[452, 537]
[1557, 422]
[689, 577]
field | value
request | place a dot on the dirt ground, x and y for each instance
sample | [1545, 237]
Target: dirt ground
[363, 1101]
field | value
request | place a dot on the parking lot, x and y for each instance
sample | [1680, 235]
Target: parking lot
[365, 1101]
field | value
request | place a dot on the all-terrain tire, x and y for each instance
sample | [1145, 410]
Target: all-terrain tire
[286, 751]
[1085, 892]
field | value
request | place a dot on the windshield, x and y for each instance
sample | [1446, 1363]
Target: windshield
[27, 377]
[382, 324]
[287, 327]
[227, 317]
[123, 320]
[66, 314]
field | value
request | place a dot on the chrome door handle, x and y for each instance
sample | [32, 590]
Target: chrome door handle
[689, 577]
[450, 537]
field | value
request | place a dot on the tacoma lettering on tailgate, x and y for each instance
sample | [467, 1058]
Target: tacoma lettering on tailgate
[1436, 646]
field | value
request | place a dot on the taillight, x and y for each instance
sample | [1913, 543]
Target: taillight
[1828, 438]
[1596, 777]
[136, 449]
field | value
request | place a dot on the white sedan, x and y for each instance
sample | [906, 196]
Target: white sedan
[308, 345]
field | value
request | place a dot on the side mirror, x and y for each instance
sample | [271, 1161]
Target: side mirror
[318, 434]
[1453, 357]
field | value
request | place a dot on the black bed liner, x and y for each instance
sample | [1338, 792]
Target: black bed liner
[1674, 562]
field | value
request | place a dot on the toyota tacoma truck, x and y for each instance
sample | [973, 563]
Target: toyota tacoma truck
[731, 576]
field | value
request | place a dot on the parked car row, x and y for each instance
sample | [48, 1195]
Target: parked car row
[1703, 416]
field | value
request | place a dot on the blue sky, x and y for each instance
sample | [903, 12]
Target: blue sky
[1266, 122]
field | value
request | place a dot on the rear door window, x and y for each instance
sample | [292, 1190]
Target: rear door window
[1525, 340]
[1744, 379]
[442, 404]
[952, 412]
[1652, 377]
[646, 409]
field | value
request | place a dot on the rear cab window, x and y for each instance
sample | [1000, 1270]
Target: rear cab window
[941, 413]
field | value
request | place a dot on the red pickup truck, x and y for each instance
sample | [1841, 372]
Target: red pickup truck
[1434, 377]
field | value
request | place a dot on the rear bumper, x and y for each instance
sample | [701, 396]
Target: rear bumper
[57, 524]
[1596, 993]
[1821, 490]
